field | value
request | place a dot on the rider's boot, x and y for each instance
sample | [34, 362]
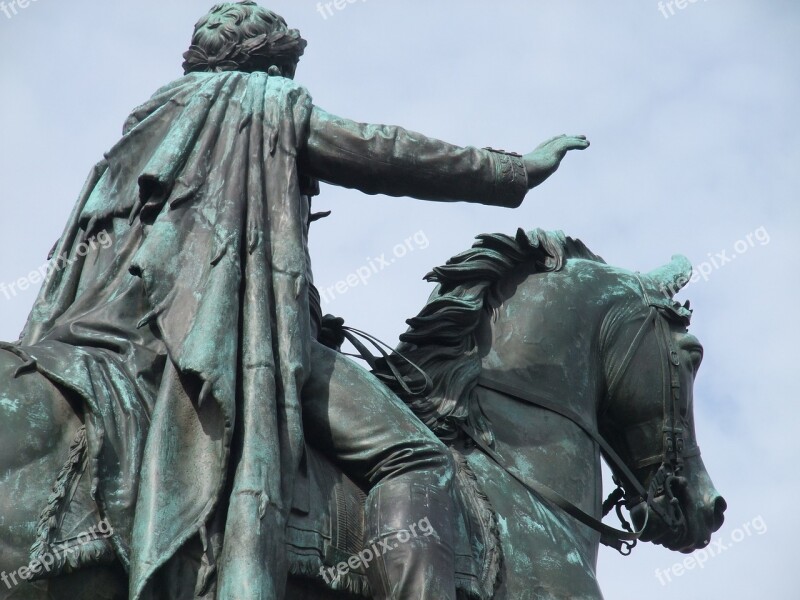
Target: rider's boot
[410, 528]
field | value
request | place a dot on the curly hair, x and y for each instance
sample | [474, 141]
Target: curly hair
[243, 36]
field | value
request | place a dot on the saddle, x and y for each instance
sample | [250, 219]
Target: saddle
[326, 528]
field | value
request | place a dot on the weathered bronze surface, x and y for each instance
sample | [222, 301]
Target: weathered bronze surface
[184, 426]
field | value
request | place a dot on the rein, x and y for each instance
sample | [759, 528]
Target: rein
[622, 541]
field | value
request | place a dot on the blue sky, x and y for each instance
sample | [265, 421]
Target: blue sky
[692, 119]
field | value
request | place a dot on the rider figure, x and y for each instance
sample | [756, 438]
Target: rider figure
[368, 431]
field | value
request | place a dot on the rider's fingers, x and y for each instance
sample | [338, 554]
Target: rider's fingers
[577, 142]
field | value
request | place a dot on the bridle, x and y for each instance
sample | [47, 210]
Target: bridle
[629, 492]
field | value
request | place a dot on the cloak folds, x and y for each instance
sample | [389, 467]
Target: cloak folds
[188, 337]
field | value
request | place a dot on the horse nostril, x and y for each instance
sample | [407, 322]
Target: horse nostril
[719, 512]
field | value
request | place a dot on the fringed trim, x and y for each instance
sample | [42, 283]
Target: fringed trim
[492, 560]
[49, 558]
[468, 588]
[308, 567]
[49, 519]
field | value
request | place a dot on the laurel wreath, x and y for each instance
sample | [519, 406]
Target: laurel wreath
[253, 54]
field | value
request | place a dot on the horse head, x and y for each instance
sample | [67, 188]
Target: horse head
[647, 415]
[522, 326]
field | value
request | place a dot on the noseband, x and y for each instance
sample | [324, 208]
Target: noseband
[630, 492]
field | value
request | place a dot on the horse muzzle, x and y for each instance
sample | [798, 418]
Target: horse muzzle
[678, 519]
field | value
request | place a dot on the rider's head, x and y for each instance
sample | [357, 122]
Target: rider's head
[242, 36]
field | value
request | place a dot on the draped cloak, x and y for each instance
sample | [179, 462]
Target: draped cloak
[187, 335]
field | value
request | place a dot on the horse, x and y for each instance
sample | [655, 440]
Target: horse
[539, 359]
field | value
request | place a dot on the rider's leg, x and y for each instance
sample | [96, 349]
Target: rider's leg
[377, 440]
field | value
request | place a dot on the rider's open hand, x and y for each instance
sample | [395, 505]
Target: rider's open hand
[543, 162]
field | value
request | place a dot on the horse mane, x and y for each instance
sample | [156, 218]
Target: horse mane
[441, 339]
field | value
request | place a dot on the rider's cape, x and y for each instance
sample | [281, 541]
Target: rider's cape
[177, 311]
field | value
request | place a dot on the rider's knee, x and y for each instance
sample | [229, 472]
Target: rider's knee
[442, 464]
[425, 459]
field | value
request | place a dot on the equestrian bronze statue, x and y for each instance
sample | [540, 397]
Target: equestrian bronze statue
[177, 420]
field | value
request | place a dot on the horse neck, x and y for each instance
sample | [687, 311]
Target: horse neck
[544, 336]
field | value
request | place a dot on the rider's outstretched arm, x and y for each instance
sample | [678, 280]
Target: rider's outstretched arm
[383, 159]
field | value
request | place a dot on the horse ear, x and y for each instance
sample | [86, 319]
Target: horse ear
[673, 276]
